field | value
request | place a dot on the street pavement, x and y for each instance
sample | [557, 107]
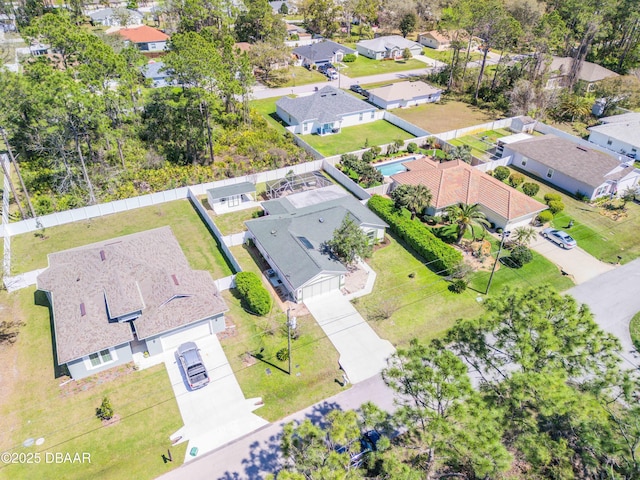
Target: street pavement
[613, 298]
[257, 454]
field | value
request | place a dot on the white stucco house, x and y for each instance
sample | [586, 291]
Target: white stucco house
[619, 133]
[573, 167]
[291, 235]
[230, 198]
[391, 46]
[325, 111]
[454, 182]
[435, 39]
[135, 293]
[404, 94]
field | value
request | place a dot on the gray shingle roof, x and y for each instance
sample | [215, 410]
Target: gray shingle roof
[105, 13]
[404, 91]
[326, 105]
[382, 44]
[235, 189]
[583, 164]
[287, 237]
[321, 51]
[628, 132]
[155, 70]
[145, 271]
[622, 118]
[589, 72]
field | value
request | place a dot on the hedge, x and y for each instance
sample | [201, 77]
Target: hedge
[441, 256]
[252, 291]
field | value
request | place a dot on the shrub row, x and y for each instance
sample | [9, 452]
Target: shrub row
[254, 294]
[441, 256]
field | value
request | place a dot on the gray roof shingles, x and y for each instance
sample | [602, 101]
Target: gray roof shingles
[326, 105]
[145, 272]
[228, 190]
[321, 51]
[583, 164]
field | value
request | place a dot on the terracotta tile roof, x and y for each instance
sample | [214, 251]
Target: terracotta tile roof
[142, 34]
[145, 272]
[455, 181]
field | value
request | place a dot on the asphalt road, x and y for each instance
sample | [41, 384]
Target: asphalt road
[257, 454]
[614, 299]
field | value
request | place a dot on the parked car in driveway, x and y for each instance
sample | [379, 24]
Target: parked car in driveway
[358, 89]
[193, 366]
[559, 237]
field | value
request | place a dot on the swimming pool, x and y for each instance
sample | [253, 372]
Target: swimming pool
[391, 168]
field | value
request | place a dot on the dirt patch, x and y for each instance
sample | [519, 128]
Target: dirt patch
[71, 387]
[355, 280]
[477, 255]
[112, 421]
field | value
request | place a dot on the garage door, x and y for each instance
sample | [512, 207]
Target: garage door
[172, 340]
[319, 288]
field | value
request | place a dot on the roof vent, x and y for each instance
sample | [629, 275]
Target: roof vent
[83, 310]
[273, 232]
[321, 220]
[102, 255]
[175, 279]
[580, 147]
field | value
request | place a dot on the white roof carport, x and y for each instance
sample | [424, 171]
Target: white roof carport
[218, 413]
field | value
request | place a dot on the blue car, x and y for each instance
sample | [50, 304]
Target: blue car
[559, 237]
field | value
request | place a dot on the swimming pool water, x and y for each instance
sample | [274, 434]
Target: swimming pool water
[394, 167]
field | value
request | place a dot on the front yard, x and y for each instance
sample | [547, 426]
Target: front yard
[443, 116]
[364, 66]
[29, 251]
[297, 76]
[349, 139]
[34, 405]
[446, 55]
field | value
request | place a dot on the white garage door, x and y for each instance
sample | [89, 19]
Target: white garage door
[172, 340]
[319, 288]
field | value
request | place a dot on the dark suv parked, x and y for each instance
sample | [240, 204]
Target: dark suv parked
[192, 364]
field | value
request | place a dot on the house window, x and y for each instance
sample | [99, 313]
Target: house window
[550, 173]
[609, 141]
[361, 116]
[101, 358]
[602, 190]
[373, 114]
[524, 161]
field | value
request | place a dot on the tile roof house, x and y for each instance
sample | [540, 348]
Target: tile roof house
[404, 94]
[391, 46]
[590, 73]
[321, 52]
[455, 181]
[325, 111]
[435, 39]
[619, 133]
[145, 38]
[573, 167]
[132, 292]
[116, 17]
[291, 237]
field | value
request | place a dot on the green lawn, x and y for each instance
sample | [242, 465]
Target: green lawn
[233, 222]
[301, 76]
[29, 252]
[446, 55]
[267, 108]
[444, 115]
[354, 138]
[634, 330]
[364, 66]
[34, 405]
[599, 235]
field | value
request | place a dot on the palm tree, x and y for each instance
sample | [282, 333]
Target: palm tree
[464, 216]
[523, 235]
[415, 198]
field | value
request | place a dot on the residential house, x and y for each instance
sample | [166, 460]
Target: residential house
[145, 38]
[321, 53]
[325, 111]
[234, 197]
[456, 181]
[116, 17]
[404, 94]
[292, 235]
[589, 73]
[619, 133]
[435, 39]
[391, 46]
[523, 124]
[157, 74]
[124, 295]
[8, 22]
[573, 167]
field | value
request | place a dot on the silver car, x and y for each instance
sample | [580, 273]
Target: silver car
[193, 366]
[560, 237]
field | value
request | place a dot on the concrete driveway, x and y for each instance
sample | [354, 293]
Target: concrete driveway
[218, 413]
[576, 262]
[362, 353]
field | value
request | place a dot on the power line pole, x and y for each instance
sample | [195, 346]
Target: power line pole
[289, 338]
